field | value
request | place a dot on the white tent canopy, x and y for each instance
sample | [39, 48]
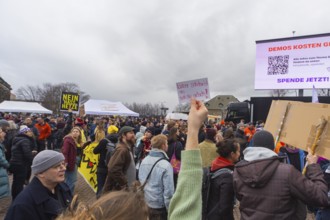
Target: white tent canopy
[176, 116]
[19, 106]
[104, 107]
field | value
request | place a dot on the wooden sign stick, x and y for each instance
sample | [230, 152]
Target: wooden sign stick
[317, 138]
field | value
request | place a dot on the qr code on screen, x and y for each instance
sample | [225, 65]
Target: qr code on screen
[278, 65]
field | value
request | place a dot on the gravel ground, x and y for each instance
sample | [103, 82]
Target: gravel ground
[87, 195]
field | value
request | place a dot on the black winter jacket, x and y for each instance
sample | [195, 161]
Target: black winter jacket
[36, 202]
[21, 150]
[221, 198]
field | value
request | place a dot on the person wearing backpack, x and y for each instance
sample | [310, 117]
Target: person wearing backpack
[121, 167]
[156, 174]
[104, 149]
[220, 199]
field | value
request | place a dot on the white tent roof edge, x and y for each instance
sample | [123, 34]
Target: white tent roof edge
[104, 107]
[24, 107]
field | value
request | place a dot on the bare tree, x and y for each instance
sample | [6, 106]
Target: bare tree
[323, 92]
[279, 92]
[145, 109]
[50, 95]
[182, 107]
[30, 93]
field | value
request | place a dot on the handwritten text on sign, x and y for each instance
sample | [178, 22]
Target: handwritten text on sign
[198, 88]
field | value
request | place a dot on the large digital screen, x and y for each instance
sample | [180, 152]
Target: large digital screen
[293, 63]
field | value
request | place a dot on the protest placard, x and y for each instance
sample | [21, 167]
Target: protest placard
[69, 100]
[300, 124]
[198, 88]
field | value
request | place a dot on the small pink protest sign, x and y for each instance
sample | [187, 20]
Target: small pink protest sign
[198, 88]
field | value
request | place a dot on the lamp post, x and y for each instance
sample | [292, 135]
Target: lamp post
[163, 108]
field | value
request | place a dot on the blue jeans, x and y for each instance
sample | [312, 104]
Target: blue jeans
[323, 214]
[71, 178]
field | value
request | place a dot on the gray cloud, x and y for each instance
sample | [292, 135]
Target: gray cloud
[137, 50]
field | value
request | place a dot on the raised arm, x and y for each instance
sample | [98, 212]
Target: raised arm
[187, 200]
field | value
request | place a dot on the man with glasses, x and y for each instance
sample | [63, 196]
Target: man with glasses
[47, 195]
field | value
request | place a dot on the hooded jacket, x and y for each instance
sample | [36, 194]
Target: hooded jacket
[268, 189]
[221, 197]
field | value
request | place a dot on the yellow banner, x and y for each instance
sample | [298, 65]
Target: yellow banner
[88, 165]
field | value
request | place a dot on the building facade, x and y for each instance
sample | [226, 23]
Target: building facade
[5, 89]
[218, 104]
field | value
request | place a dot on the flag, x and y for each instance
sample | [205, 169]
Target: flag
[88, 165]
[315, 98]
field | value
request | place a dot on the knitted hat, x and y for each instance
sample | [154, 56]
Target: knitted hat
[4, 124]
[112, 129]
[263, 139]
[125, 129]
[23, 129]
[45, 160]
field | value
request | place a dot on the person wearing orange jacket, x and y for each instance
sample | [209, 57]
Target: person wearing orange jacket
[249, 131]
[44, 132]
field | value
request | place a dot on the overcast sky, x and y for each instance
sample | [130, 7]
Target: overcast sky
[136, 51]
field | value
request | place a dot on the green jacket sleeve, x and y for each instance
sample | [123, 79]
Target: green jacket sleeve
[187, 199]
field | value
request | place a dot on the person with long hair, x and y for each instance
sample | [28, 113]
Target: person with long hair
[221, 196]
[99, 131]
[111, 206]
[69, 150]
[102, 166]
[174, 149]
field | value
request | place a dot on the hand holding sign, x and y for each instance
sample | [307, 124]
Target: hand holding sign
[198, 89]
[311, 159]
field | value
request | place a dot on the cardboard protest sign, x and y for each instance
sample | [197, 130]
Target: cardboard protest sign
[69, 100]
[300, 125]
[198, 88]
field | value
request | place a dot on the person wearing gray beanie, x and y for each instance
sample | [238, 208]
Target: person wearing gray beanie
[45, 160]
[4, 125]
[46, 196]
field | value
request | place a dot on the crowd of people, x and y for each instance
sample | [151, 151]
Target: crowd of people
[152, 168]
